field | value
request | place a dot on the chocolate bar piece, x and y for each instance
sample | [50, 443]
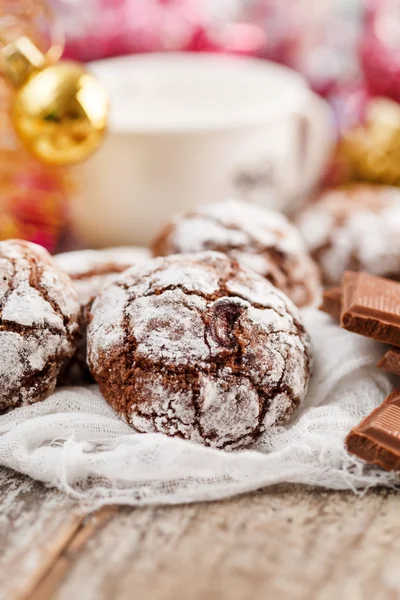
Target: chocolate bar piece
[371, 307]
[390, 361]
[377, 438]
[332, 302]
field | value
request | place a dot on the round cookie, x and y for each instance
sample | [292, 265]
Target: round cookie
[39, 323]
[91, 271]
[261, 239]
[200, 347]
[354, 227]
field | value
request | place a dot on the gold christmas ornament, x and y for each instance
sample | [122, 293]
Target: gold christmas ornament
[373, 149]
[59, 110]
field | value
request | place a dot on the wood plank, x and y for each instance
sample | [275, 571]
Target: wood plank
[286, 543]
[35, 525]
[373, 556]
[48, 585]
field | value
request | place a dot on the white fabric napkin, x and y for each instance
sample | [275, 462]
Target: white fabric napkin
[75, 442]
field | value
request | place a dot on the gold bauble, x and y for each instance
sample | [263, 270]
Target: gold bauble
[60, 113]
[373, 149]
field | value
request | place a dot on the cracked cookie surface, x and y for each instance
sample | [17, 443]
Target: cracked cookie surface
[39, 323]
[261, 239]
[91, 271]
[200, 347]
[353, 228]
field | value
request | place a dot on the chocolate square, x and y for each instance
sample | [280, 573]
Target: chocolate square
[390, 361]
[371, 307]
[332, 302]
[377, 438]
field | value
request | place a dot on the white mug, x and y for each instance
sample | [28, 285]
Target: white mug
[193, 128]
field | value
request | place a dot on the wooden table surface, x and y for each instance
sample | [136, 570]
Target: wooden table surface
[287, 542]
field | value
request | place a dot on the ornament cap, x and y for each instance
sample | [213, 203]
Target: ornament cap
[20, 59]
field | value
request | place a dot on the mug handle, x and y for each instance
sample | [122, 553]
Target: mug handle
[317, 135]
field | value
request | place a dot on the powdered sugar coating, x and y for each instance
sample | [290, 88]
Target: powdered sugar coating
[356, 227]
[259, 238]
[39, 322]
[92, 270]
[205, 362]
[229, 408]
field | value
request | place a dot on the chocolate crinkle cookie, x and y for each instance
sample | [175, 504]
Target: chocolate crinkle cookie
[39, 323]
[91, 271]
[355, 227]
[199, 347]
[259, 238]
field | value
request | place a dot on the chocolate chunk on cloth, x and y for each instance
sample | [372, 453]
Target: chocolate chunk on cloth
[332, 302]
[371, 307]
[390, 361]
[377, 438]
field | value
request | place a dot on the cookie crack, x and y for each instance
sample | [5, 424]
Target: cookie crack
[35, 274]
[35, 281]
[107, 269]
[11, 286]
[24, 330]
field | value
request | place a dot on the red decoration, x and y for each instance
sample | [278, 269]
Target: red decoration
[101, 28]
[33, 197]
[33, 201]
[380, 48]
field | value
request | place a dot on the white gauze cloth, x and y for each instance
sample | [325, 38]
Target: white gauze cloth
[75, 442]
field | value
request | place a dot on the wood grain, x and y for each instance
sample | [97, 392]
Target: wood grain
[49, 584]
[285, 543]
[35, 524]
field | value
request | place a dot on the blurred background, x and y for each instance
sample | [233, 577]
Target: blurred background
[346, 51]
